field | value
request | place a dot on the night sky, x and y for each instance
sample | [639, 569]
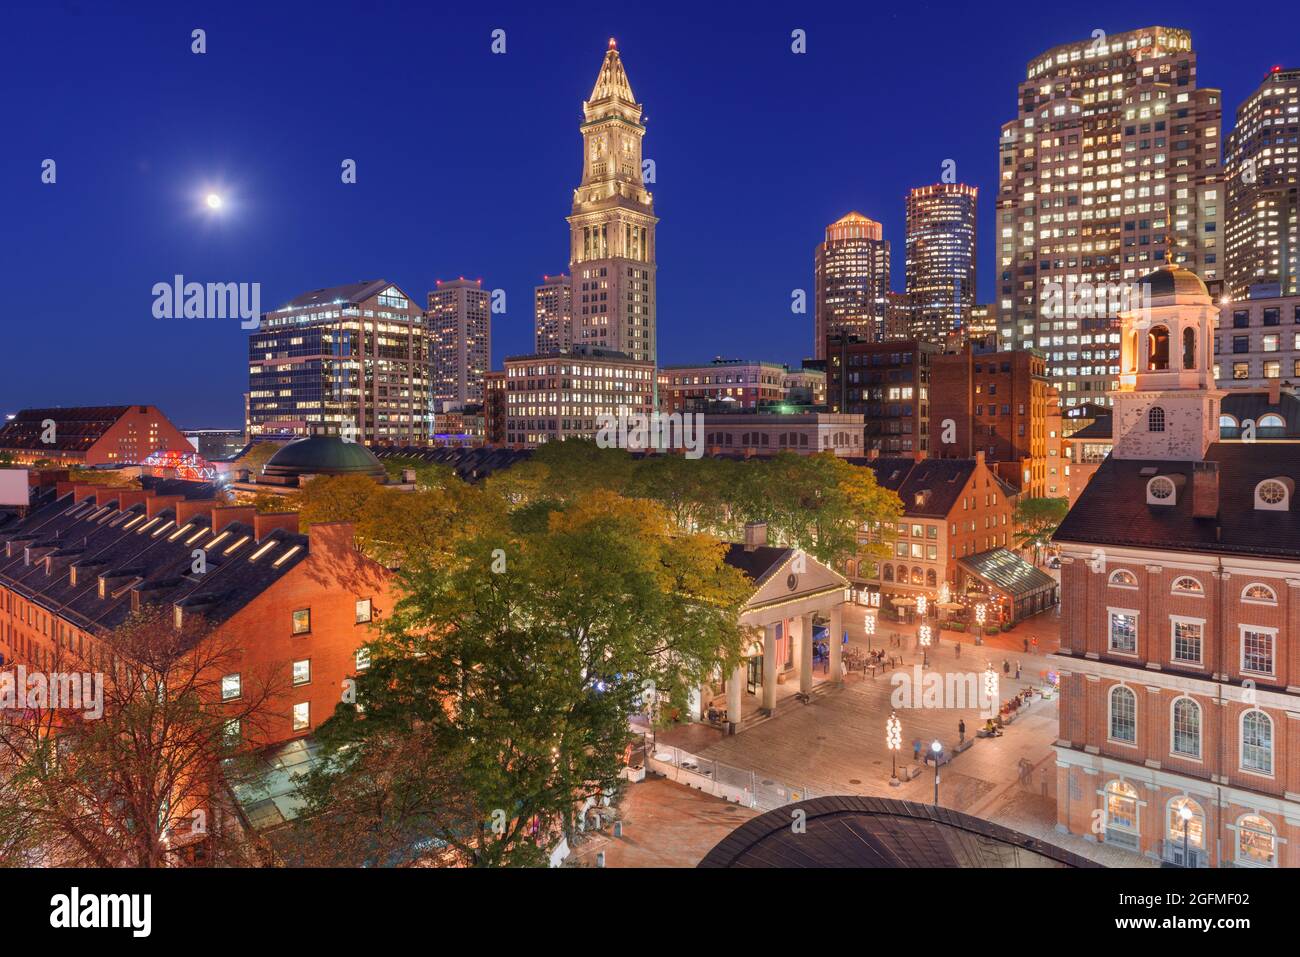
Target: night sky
[466, 161]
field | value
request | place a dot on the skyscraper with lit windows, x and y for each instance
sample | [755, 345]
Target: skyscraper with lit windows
[941, 231]
[1114, 150]
[460, 337]
[553, 315]
[612, 226]
[851, 275]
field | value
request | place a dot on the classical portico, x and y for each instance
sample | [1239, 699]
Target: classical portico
[794, 594]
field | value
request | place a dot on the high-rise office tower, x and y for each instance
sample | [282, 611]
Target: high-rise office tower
[460, 336]
[553, 316]
[349, 360]
[1262, 162]
[851, 272]
[941, 258]
[612, 226]
[1114, 151]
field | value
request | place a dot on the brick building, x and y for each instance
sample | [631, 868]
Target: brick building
[998, 403]
[888, 384]
[1179, 661]
[92, 435]
[298, 605]
[746, 383]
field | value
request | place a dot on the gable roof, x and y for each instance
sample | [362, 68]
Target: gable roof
[928, 488]
[75, 429]
[350, 294]
[1008, 571]
[758, 564]
[1113, 509]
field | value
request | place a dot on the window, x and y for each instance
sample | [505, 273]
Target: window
[1156, 419]
[233, 732]
[363, 654]
[1188, 586]
[1256, 842]
[302, 621]
[302, 716]
[1123, 715]
[1122, 812]
[1187, 640]
[1258, 594]
[1123, 631]
[1123, 578]
[1186, 728]
[1257, 742]
[1158, 349]
[302, 671]
[1241, 370]
[230, 687]
[1195, 825]
[1257, 649]
[1273, 495]
[363, 610]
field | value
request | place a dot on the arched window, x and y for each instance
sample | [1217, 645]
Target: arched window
[1272, 421]
[1187, 585]
[1257, 742]
[1123, 578]
[1259, 594]
[1122, 813]
[1195, 824]
[1158, 349]
[1156, 419]
[902, 574]
[1185, 730]
[1123, 715]
[918, 576]
[1256, 842]
[1189, 348]
[1227, 422]
[931, 579]
[889, 573]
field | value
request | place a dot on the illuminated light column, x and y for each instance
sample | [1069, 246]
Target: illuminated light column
[923, 636]
[980, 612]
[769, 668]
[991, 681]
[894, 741]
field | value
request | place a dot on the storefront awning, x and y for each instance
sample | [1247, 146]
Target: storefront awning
[1007, 572]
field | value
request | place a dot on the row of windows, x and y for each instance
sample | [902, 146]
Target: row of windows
[1258, 643]
[1256, 842]
[1254, 727]
[1255, 593]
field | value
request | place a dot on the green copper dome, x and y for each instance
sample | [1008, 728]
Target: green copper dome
[323, 455]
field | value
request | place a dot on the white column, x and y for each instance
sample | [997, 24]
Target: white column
[836, 628]
[805, 653]
[735, 694]
[769, 668]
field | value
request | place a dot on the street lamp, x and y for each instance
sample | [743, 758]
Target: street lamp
[923, 636]
[869, 625]
[991, 687]
[1185, 813]
[894, 741]
[937, 748]
[920, 605]
[980, 611]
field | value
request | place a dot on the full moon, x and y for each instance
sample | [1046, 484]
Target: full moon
[213, 201]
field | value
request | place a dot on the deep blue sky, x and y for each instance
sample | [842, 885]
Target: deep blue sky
[467, 160]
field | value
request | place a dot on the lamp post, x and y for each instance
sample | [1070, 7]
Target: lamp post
[1185, 813]
[923, 636]
[869, 625]
[991, 688]
[937, 748]
[980, 612]
[921, 605]
[894, 741]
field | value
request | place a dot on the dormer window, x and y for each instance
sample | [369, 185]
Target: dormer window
[1156, 419]
[1274, 495]
[1160, 490]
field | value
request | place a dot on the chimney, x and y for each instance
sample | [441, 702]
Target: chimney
[158, 503]
[82, 491]
[131, 496]
[223, 515]
[979, 457]
[264, 523]
[1274, 391]
[192, 508]
[755, 535]
[1205, 489]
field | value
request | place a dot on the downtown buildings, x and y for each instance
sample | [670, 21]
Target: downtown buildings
[1114, 150]
[851, 282]
[1180, 577]
[941, 259]
[1262, 164]
[556, 397]
[888, 384]
[348, 360]
[460, 341]
[553, 316]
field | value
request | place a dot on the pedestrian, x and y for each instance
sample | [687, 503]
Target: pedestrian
[961, 731]
[916, 750]
[1017, 669]
[1026, 646]
[1006, 667]
[957, 644]
[1035, 644]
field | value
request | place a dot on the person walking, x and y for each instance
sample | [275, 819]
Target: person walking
[916, 749]
[961, 731]
[1026, 646]
[1006, 667]
[1017, 670]
[957, 644]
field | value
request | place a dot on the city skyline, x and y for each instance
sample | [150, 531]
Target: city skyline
[281, 226]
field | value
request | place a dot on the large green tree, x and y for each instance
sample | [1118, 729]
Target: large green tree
[1036, 521]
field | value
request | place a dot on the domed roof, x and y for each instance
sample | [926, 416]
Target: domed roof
[323, 455]
[1172, 279]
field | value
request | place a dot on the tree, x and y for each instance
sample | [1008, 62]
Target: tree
[153, 770]
[1036, 521]
[499, 692]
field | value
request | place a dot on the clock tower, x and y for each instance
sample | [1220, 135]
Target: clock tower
[612, 226]
[1167, 406]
